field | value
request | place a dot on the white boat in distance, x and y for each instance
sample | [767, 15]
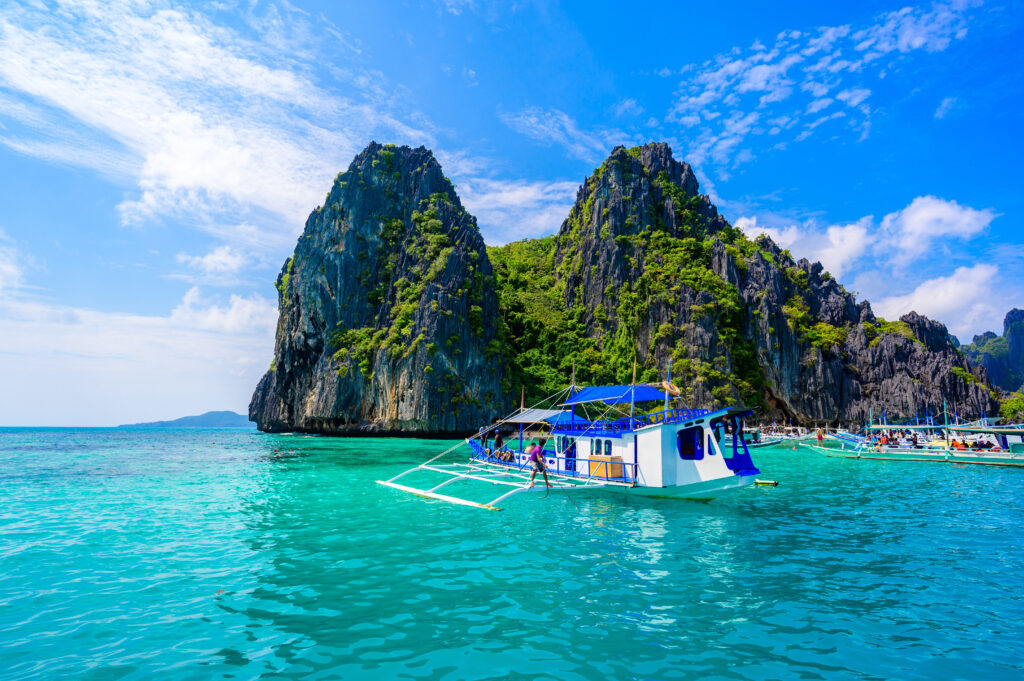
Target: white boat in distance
[948, 443]
[674, 452]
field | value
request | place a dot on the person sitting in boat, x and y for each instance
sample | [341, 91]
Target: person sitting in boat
[485, 439]
[537, 464]
[957, 445]
[499, 447]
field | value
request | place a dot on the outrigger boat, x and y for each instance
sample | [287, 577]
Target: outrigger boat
[967, 444]
[673, 452]
[776, 434]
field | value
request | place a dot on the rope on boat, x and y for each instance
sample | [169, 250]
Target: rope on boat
[466, 441]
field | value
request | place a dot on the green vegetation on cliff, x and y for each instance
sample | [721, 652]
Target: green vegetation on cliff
[544, 336]
[540, 337]
[411, 255]
[1012, 408]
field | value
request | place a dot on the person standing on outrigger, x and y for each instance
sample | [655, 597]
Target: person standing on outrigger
[537, 464]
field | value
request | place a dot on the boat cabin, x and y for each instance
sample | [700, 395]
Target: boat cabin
[663, 449]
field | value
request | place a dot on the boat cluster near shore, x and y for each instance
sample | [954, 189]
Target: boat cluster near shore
[594, 439]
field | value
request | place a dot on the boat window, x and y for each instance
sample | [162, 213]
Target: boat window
[607, 447]
[597, 447]
[690, 443]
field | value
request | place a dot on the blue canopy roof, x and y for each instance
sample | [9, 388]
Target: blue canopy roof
[616, 394]
[565, 418]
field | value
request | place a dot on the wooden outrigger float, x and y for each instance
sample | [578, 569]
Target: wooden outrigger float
[674, 452]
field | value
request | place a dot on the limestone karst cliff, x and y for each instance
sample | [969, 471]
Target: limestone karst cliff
[1002, 356]
[388, 315]
[392, 319]
[647, 269]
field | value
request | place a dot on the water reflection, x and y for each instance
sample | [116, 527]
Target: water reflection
[824, 577]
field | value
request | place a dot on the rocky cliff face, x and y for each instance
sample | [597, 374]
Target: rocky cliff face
[388, 315]
[392, 319]
[1002, 356]
[649, 271]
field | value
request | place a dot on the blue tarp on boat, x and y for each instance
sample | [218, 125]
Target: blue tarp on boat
[616, 394]
[566, 418]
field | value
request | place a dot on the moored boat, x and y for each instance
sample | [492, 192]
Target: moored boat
[668, 452]
[976, 443]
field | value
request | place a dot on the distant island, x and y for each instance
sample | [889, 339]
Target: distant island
[211, 419]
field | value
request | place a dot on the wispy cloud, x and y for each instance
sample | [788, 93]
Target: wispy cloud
[929, 220]
[782, 91]
[554, 127]
[963, 299]
[926, 226]
[945, 107]
[836, 247]
[511, 210]
[206, 122]
[221, 266]
[11, 271]
[241, 315]
[627, 107]
[911, 249]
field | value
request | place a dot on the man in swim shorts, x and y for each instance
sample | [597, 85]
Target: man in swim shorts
[537, 464]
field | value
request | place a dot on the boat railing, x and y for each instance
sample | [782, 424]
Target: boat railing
[520, 460]
[627, 424]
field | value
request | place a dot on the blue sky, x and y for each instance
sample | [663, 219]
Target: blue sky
[159, 159]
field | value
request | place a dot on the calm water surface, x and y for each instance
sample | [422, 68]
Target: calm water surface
[200, 554]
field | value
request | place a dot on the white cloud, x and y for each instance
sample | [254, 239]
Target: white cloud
[551, 126]
[795, 75]
[854, 96]
[241, 315]
[913, 28]
[98, 368]
[945, 106]
[819, 104]
[784, 237]
[628, 107]
[11, 271]
[913, 230]
[205, 122]
[220, 261]
[961, 300]
[508, 211]
[457, 6]
[906, 250]
[836, 247]
[842, 245]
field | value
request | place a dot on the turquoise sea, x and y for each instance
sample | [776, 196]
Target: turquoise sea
[202, 554]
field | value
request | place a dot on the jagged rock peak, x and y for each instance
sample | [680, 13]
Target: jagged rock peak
[1002, 356]
[640, 190]
[403, 170]
[654, 158]
[388, 312]
[1012, 317]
